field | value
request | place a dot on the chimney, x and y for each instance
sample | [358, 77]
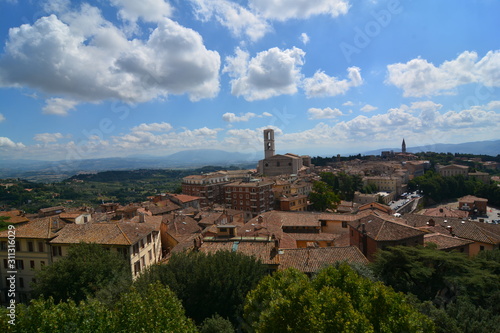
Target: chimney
[142, 219]
[450, 229]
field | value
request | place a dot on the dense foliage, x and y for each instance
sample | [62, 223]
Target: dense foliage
[322, 197]
[438, 188]
[208, 284]
[337, 299]
[155, 310]
[460, 294]
[88, 270]
[343, 184]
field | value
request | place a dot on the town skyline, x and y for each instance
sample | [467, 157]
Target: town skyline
[93, 80]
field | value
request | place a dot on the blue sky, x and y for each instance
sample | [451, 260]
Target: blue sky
[125, 77]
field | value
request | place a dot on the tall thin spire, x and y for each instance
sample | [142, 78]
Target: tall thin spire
[403, 147]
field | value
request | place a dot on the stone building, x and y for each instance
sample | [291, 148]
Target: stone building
[275, 165]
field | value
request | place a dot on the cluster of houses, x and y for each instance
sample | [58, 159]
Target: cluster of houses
[261, 213]
[150, 232]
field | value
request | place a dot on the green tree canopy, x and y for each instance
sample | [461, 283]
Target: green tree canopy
[208, 284]
[336, 300]
[438, 276]
[322, 197]
[157, 310]
[87, 270]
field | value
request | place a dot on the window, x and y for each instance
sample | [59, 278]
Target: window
[56, 251]
[481, 248]
[19, 264]
[42, 263]
[3, 245]
[18, 246]
[30, 247]
[143, 261]
[150, 255]
[136, 248]
[148, 238]
[344, 224]
[137, 267]
[32, 264]
[142, 243]
[40, 247]
[5, 264]
[21, 282]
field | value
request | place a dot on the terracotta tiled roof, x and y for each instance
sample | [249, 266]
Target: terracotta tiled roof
[184, 197]
[103, 233]
[43, 228]
[471, 199]
[51, 209]
[445, 242]
[208, 218]
[178, 225]
[445, 212]
[475, 231]
[384, 229]
[264, 251]
[14, 216]
[311, 260]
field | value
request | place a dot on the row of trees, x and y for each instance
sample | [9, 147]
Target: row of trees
[407, 289]
[439, 188]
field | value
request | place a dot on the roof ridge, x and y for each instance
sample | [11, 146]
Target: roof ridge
[380, 229]
[124, 234]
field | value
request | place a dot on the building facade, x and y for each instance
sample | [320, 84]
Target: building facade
[251, 196]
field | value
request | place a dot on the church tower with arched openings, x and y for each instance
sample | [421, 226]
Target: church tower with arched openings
[268, 143]
[403, 147]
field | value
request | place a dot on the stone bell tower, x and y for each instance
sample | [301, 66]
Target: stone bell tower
[403, 147]
[268, 143]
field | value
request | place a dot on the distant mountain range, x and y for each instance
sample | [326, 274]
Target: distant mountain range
[57, 170]
[54, 171]
[478, 148]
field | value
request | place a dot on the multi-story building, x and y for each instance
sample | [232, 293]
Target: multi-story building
[30, 253]
[293, 203]
[43, 241]
[253, 196]
[209, 187]
[452, 170]
[385, 184]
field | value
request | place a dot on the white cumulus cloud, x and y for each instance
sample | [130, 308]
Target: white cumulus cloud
[148, 10]
[153, 127]
[326, 113]
[59, 106]
[298, 9]
[368, 108]
[323, 85]
[270, 73]
[48, 137]
[418, 77]
[239, 20]
[8, 143]
[80, 57]
[232, 118]
[304, 38]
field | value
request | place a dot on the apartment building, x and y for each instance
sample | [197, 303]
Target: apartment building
[209, 187]
[253, 196]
